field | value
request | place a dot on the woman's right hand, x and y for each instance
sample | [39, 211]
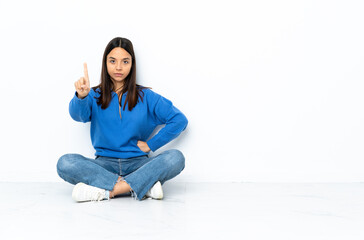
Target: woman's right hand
[83, 84]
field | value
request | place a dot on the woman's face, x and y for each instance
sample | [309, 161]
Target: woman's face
[118, 63]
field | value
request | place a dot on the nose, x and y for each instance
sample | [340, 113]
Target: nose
[118, 66]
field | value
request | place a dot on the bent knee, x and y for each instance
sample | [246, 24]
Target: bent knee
[176, 157]
[66, 162]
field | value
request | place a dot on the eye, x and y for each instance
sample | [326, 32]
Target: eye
[112, 61]
[126, 62]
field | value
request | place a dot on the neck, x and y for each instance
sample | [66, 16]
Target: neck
[118, 86]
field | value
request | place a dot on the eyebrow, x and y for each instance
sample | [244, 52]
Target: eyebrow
[122, 59]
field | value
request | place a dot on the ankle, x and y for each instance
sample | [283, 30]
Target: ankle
[112, 193]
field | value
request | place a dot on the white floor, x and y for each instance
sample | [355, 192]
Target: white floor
[189, 211]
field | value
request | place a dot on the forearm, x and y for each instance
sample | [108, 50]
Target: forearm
[80, 109]
[169, 132]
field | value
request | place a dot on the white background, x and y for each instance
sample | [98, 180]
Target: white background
[273, 90]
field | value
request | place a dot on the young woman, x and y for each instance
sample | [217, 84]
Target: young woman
[123, 115]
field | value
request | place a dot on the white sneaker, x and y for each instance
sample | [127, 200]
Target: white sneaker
[156, 192]
[83, 193]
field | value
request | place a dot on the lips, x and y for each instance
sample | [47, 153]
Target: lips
[118, 75]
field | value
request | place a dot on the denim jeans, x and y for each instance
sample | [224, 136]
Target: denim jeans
[141, 173]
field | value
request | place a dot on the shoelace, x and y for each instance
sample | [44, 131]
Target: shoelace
[98, 199]
[96, 195]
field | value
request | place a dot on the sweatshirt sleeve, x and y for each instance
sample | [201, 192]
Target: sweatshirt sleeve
[165, 113]
[80, 109]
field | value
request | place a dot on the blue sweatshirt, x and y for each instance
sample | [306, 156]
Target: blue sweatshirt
[115, 132]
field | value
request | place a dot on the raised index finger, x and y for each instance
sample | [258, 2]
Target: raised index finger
[85, 71]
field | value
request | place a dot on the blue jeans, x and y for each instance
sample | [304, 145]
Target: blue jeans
[141, 173]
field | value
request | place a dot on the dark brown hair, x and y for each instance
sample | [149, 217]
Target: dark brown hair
[106, 85]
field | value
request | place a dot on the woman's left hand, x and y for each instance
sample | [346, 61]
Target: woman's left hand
[143, 146]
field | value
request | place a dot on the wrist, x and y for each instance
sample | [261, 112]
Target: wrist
[81, 96]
